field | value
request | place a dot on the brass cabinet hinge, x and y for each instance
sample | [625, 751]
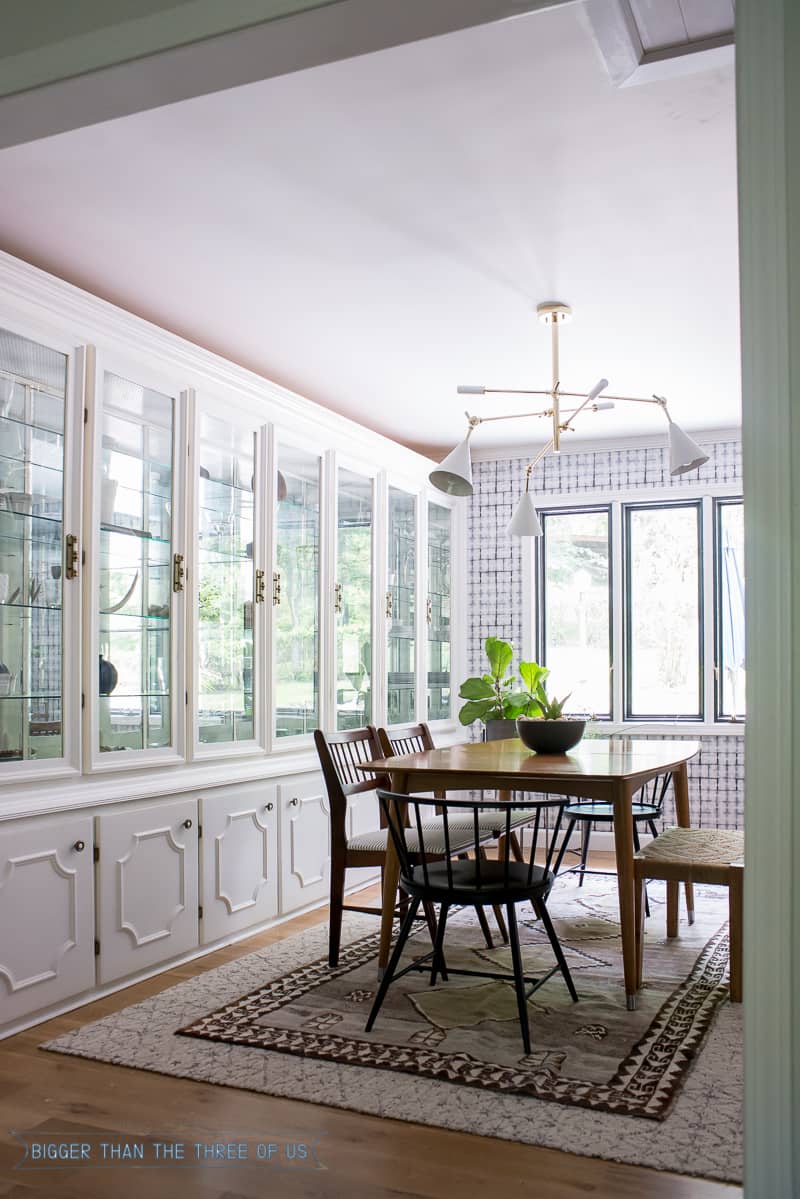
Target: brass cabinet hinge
[178, 572]
[96, 948]
[276, 588]
[96, 853]
[200, 912]
[73, 557]
[261, 586]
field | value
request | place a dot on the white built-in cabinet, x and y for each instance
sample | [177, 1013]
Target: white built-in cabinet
[239, 859]
[147, 885]
[197, 569]
[47, 904]
[305, 841]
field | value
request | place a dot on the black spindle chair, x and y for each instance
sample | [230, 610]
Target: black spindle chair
[646, 808]
[473, 881]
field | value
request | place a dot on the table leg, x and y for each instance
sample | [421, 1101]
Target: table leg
[680, 782]
[623, 843]
[391, 877]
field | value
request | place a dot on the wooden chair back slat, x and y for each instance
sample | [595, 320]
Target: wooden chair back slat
[339, 755]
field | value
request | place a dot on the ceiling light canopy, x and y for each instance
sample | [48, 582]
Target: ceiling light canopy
[454, 474]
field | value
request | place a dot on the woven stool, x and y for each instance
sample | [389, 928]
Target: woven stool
[694, 855]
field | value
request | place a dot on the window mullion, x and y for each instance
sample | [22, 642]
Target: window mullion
[707, 638]
[618, 614]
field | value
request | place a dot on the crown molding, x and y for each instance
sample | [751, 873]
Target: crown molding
[28, 292]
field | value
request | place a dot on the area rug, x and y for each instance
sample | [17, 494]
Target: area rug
[660, 1086]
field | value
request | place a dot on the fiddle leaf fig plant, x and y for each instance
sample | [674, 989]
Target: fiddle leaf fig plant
[498, 694]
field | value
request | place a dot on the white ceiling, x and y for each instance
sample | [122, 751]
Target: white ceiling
[375, 231]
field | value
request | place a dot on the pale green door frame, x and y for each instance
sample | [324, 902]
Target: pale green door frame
[768, 97]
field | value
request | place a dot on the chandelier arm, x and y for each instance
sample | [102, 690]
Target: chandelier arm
[535, 462]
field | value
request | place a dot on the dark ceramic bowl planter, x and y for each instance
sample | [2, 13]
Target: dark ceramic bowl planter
[550, 736]
[499, 730]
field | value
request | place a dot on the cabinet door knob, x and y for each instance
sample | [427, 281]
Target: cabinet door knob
[270, 806]
[295, 802]
[187, 824]
[79, 846]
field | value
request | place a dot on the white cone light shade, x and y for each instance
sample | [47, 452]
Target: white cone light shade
[453, 475]
[525, 521]
[601, 385]
[684, 454]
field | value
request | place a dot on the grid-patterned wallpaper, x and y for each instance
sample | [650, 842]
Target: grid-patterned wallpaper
[494, 566]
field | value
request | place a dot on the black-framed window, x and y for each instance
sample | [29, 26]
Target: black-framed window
[663, 611]
[574, 611]
[729, 588]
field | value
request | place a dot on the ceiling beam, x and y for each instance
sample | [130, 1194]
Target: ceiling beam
[127, 67]
[618, 38]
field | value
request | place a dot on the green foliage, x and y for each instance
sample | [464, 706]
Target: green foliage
[550, 709]
[498, 694]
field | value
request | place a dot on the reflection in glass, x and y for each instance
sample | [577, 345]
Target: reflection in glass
[225, 582]
[354, 601]
[135, 567]
[576, 610]
[296, 593]
[401, 607]
[438, 614]
[32, 413]
[663, 554]
[730, 600]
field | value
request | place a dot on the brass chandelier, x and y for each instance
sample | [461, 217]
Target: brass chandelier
[454, 474]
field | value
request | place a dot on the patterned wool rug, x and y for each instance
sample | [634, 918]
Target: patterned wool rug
[659, 1086]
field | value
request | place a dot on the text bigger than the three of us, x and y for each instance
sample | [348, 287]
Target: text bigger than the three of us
[153, 1152]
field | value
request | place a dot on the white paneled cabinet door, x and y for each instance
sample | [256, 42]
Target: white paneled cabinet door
[46, 913]
[305, 841]
[146, 886]
[238, 859]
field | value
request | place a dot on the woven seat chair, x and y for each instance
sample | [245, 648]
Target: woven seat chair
[714, 856]
[473, 880]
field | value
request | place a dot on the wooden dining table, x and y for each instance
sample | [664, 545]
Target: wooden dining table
[611, 770]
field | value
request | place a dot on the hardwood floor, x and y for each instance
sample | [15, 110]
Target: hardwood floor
[365, 1157]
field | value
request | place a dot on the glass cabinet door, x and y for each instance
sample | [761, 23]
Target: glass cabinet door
[226, 591]
[353, 600]
[295, 592]
[438, 613]
[135, 567]
[33, 382]
[401, 704]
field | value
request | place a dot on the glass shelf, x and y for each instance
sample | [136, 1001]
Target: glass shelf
[225, 583]
[31, 511]
[140, 533]
[4, 512]
[105, 617]
[402, 635]
[296, 618]
[134, 708]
